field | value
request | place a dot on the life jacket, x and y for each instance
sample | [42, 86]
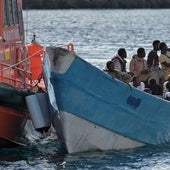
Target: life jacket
[122, 63]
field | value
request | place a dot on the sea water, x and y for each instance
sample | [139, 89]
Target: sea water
[96, 35]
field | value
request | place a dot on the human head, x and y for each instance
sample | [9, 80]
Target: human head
[122, 53]
[152, 82]
[141, 52]
[163, 47]
[155, 44]
[136, 81]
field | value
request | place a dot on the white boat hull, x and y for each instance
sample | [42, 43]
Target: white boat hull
[81, 135]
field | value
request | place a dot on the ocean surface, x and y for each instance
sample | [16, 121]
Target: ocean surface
[96, 35]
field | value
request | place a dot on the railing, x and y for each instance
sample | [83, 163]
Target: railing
[21, 77]
[69, 47]
[15, 76]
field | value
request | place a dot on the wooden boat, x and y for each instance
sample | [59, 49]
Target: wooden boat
[93, 111]
[20, 71]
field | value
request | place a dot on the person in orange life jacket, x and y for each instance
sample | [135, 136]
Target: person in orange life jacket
[164, 59]
[153, 63]
[138, 65]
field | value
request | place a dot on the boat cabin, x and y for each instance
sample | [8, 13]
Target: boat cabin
[14, 68]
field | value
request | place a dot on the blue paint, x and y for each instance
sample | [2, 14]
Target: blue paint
[91, 94]
[133, 101]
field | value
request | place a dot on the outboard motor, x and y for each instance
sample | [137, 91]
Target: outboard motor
[38, 107]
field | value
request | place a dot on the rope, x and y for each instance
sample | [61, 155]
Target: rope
[13, 66]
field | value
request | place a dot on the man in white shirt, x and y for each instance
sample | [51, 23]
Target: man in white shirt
[166, 86]
[137, 83]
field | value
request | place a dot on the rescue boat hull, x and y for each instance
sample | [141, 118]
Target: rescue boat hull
[12, 127]
[18, 74]
[13, 115]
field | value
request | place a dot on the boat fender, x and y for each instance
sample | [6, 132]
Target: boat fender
[39, 111]
[35, 52]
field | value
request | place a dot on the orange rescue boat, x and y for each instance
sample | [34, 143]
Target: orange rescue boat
[20, 73]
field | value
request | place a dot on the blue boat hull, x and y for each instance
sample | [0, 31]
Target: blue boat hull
[83, 90]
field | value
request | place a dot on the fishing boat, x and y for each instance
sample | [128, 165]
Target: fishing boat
[93, 111]
[20, 73]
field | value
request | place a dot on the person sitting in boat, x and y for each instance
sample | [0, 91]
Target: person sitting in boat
[137, 83]
[164, 59]
[117, 66]
[138, 65]
[110, 69]
[153, 63]
[166, 86]
[119, 60]
[167, 96]
[155, 88]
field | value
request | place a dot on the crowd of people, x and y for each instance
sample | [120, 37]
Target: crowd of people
[151, 75]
